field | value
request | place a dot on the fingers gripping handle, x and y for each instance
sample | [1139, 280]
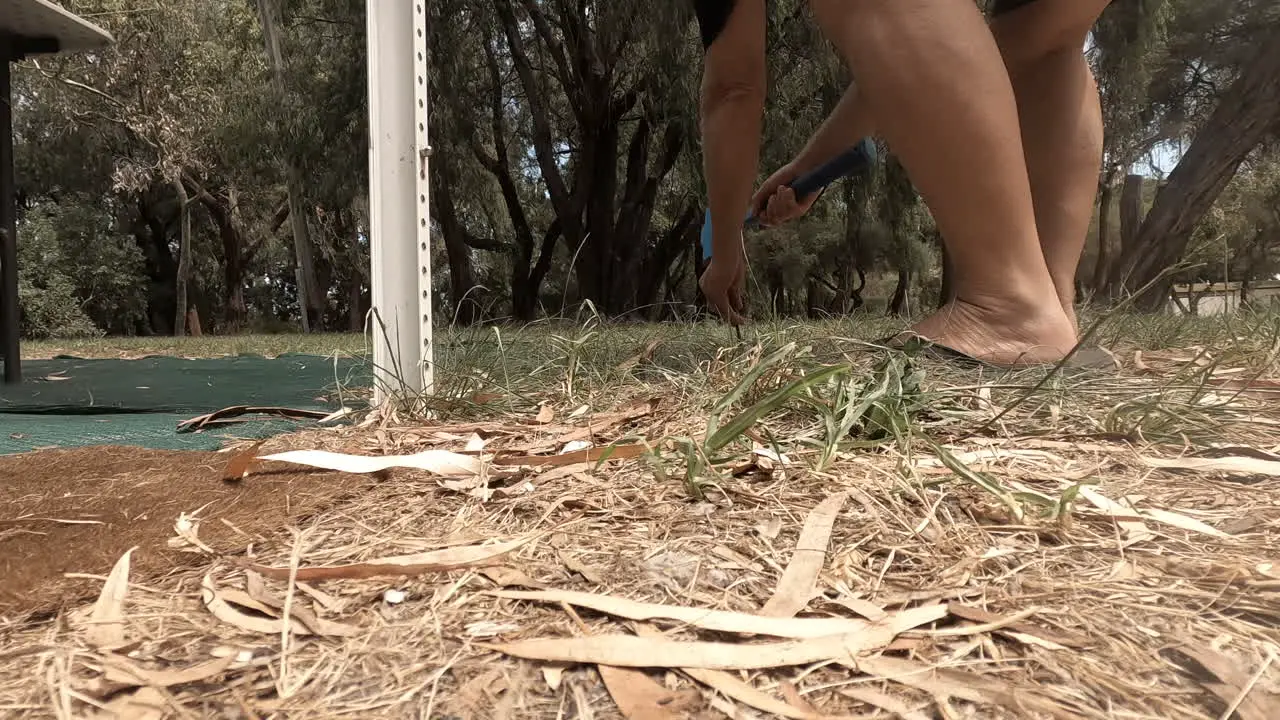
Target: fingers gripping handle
[850, 162]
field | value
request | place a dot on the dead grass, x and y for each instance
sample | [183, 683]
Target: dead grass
[1093, 546]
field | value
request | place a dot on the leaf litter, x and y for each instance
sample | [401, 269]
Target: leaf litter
[950, 600]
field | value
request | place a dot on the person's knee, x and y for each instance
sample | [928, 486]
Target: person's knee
[744, 87]
[733, 32]
[1029, 31]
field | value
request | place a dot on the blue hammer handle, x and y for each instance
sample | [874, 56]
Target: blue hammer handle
[850, 162]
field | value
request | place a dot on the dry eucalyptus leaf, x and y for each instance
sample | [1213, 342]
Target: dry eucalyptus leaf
[1223, 677]
[445, 560]
[745, 693]
[553, 675]
[978, 615]
[573, 564]
[220, 607]
[1246, 465]
[106, 620]
[142, 704]
[795, 589]
[637, 696]
[574, 457]
[793, 697]
[242, 463]
[1182, 522]
[503, 576]
[631, 651]
[273, 604]
[122, 670]
[439, 462]
[715, 620]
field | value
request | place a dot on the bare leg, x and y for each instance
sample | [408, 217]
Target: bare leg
[936, 83]
[1061, 121]
[732, 105]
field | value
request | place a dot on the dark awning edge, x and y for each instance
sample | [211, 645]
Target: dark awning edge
[41, 27]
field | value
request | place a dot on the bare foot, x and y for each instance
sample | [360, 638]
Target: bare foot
[1069, 307]
[1001, 335]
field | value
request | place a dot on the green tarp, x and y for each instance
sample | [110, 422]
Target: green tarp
[69, 402]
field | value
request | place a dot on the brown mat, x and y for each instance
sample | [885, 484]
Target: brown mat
[79, 510]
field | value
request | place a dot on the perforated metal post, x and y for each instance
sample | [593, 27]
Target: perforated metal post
[421, 102]
[400, 243]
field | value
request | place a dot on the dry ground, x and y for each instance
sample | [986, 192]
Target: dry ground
[883, 544]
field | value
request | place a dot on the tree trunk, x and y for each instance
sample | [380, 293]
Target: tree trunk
[1130, 222]
[462, 277]
[848, 295]
[225, 214]
[310, 295]
[151, 233]
[184, 259]
[1130, 209]
[355, 313]
[1247, 113]
[947, 289]
[671, 246]
[1106, 196]
[898, 200]
[526, 273]
[898, 305]
[193, 322]
[595, 264]
[1250, 258]
[639, 262]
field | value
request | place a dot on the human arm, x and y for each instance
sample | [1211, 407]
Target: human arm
[731, 110]
[849, 122]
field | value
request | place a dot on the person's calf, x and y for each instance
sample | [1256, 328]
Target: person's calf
[1061, 128]
[918, 60]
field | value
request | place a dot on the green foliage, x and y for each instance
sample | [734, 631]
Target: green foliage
[50, 307]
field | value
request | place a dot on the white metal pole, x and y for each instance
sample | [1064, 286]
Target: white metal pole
[421, 101]
[399, 226]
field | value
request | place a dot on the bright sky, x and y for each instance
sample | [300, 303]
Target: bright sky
[1161, 161]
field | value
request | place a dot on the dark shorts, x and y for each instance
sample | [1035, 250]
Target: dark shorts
[713, 15]
[1000, 7]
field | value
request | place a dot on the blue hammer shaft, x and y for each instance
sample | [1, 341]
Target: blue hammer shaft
[850, 162]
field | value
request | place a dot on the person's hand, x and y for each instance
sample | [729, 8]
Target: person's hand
[722, 283]
[775, 204]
